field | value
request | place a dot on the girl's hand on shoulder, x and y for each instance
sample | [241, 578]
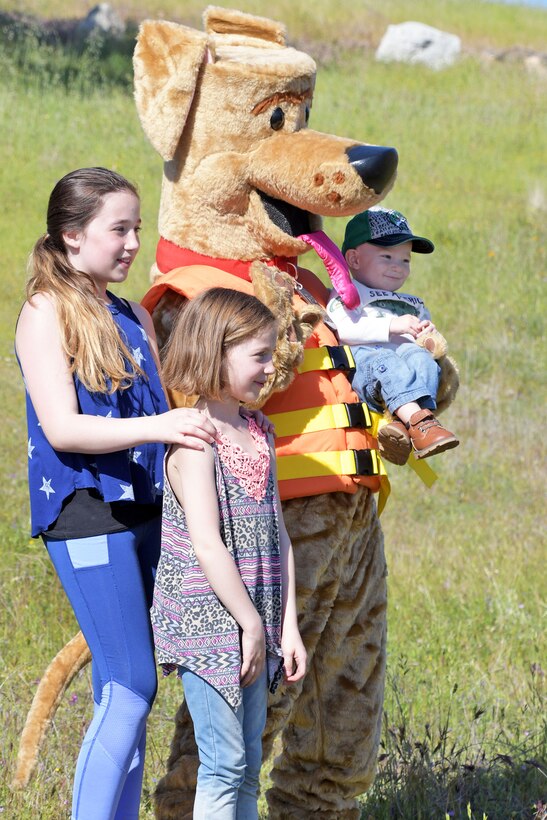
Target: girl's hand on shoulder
[260, 418]
[253, 649]
[295, 657]
[186, 426]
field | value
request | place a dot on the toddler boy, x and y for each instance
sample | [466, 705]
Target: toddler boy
[392, 370]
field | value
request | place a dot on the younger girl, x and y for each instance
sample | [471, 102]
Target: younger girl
[96, 410]
[224, 609]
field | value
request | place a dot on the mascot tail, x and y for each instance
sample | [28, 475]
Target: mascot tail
[57, 677]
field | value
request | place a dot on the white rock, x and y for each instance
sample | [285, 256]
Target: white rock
[418, 43]
[536, 64]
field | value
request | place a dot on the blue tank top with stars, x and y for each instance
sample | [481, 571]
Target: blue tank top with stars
[134, 475]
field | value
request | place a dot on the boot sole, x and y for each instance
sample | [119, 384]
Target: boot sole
[394, 447]
[438, 447]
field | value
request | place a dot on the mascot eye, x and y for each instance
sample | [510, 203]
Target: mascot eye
[277, 120]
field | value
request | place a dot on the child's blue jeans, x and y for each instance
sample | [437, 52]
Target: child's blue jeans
[230, 748]
[395, 377]
[109, 580]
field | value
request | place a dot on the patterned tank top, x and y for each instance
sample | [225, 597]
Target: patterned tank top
[191, 626]
[127, 475]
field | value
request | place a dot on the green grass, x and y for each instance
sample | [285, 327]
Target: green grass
[465, 731]
[479, 23]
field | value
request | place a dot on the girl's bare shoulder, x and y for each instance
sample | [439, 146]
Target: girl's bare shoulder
[184, 458]
[141, 313]
[39, 302]
[37, 319]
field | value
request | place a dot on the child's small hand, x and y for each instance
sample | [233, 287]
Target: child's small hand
[295, 656]
[408, 324]
[428, 327]
[260, 418]
[253, 649]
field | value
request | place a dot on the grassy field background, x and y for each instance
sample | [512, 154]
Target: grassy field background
[465, 727]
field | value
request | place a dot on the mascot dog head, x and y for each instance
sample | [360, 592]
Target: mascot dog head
[244, 178]
[227, 110]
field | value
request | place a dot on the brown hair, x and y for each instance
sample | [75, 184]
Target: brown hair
[89, 335]
[205, 329]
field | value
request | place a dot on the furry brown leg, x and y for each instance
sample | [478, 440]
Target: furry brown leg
[175, 792]
[331, 730]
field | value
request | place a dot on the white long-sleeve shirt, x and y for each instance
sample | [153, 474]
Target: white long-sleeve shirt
[369, 322]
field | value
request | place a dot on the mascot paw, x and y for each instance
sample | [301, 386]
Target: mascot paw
[433, 341]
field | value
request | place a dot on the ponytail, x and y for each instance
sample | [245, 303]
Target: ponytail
[96, 353]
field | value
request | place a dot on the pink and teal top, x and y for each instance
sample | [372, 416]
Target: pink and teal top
[192, 629]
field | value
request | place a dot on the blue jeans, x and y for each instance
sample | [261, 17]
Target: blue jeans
[396, 377]
[109, 581]
[230, 748]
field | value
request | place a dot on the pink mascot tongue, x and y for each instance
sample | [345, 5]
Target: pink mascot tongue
[336, 266]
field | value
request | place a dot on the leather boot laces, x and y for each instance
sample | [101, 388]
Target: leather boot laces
[425, 424]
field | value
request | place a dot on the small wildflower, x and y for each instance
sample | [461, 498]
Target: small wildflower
[74, 699]
[491, 254]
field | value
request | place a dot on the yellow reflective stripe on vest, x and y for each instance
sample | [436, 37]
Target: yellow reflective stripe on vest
[327, 358]
[423, 470]
[333, 462]
[327, 417]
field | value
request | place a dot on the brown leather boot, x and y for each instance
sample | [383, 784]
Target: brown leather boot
[428, 436]
[394, 442]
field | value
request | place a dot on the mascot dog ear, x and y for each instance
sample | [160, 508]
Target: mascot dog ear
[250, 28]
[166, 62]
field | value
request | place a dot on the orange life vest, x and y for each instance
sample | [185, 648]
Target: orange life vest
[318, 451]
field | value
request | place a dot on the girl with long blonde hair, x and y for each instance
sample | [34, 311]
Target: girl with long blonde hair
[98, 421]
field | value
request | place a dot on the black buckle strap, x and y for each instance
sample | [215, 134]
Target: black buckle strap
[341, 358]
[358, 414]
[366, 462]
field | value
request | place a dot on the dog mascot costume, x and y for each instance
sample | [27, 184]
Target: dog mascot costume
[245, 185]
[243, 180]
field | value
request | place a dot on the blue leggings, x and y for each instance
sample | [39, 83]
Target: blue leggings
[109, 581]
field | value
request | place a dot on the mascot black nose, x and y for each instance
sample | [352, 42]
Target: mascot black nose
[375, 165]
